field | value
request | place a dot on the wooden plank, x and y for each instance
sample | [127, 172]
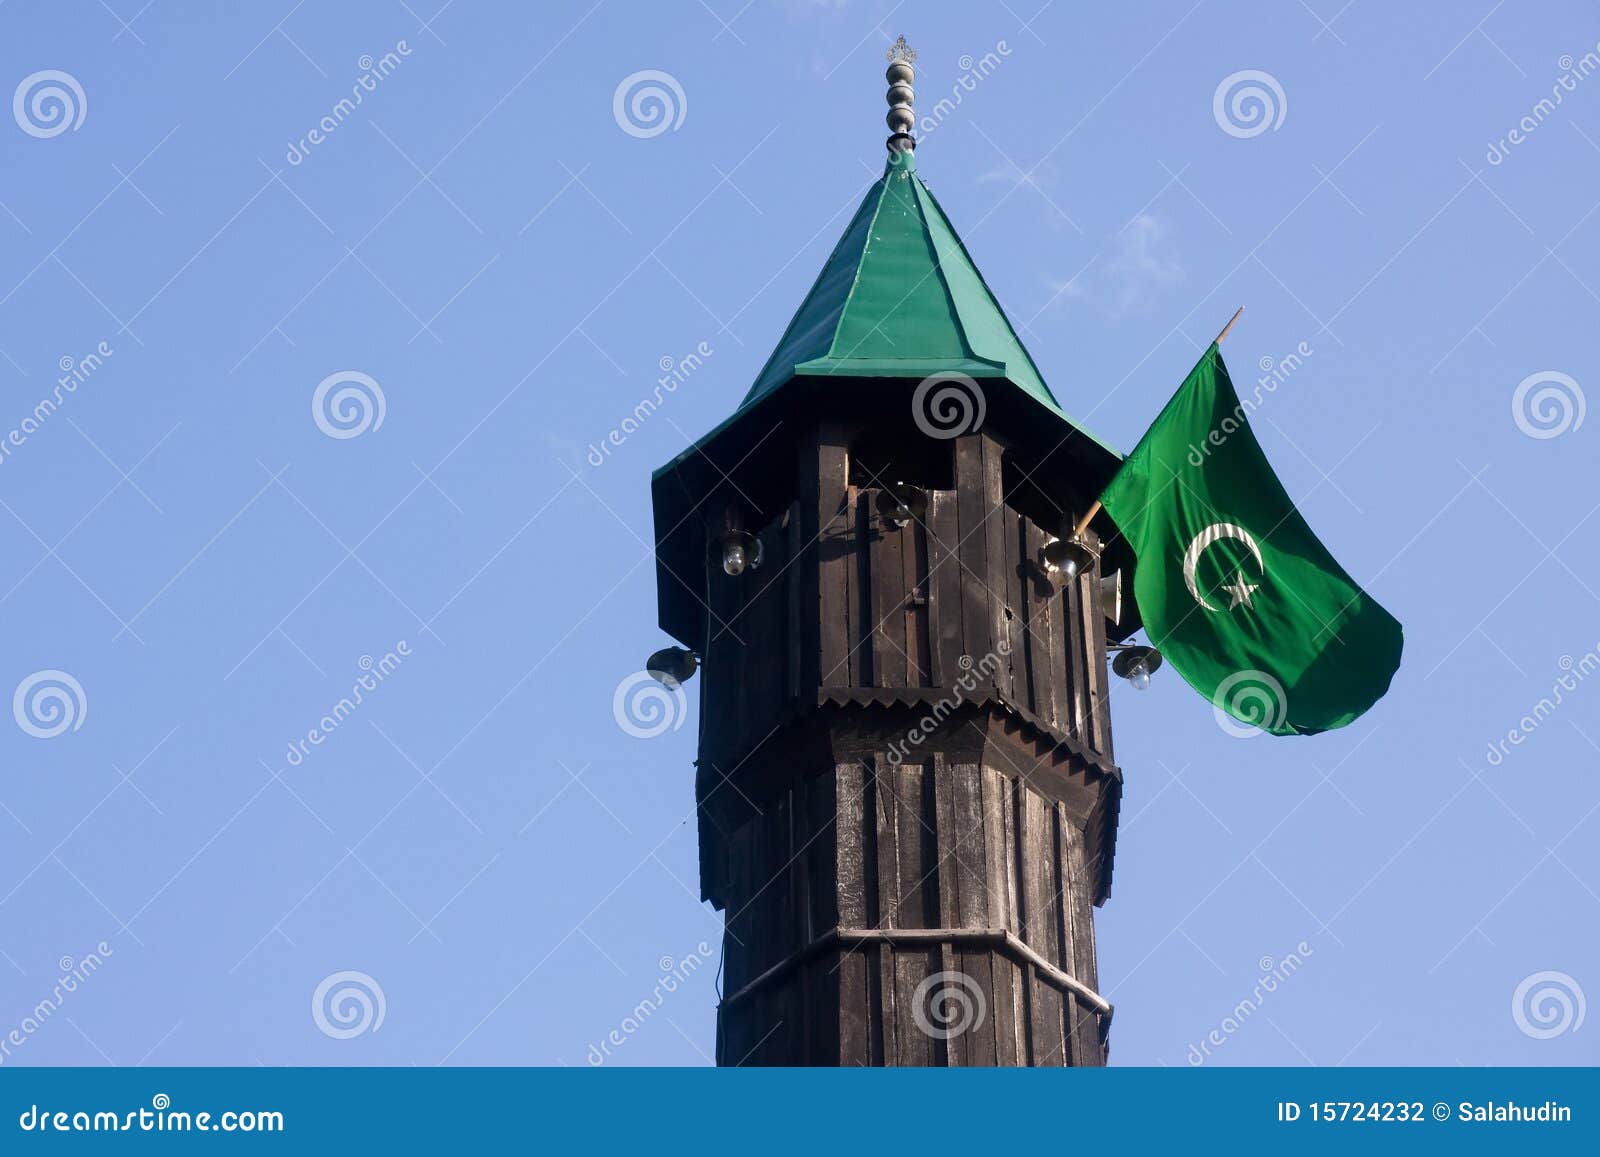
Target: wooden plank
[1094, 663]
[826, 997]
[1071, 603]
[1081, 907]
[888, 902]
[787, 1014]
[823, 496]
[852, 832]
[1095, 634]
[798, 1023]
[1061, 640]
[880, 997]
[967, 855]
[954, 1022]
[821, 490]
[793, 582]
[1070, 883]
[1036, 624]
[946, 899]
[999, 562]
[1016, 617]
[944, 589]
[762, 630]
[1039, 916]
[737, 960]
[918, 888]
[862, 616]
[1082, 911]
[972, 511]
[720, 654]
[772, 908]
[888, 626]
[914, 570]
[994, 791]
[766, 1003]
[1053, 873]
[768, 856]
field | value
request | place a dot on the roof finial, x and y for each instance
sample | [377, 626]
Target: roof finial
[900, 75]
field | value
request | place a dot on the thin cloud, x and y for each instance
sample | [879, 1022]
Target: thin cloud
[1145, 265]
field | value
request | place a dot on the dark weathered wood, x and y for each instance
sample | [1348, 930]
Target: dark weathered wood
[963, 784]
[1038, 913]
[914, 566]
[1085, 962]
[762, 627]
[1098, 724]
[927, 809]
[1070, 603]
[1080, 941]
[894, 1014]
[850, 826]
[972, 513]
[794, 591]
[863, 615]
[1000, 556]
[1034, 662]
[822, 501]
[917, 889]
[999, 865]
[1061, 640]
[737, 962]
[1014, 656]
[889, 592]
[945, 900]
[944, 589]
[1094, 645]
[823, 886]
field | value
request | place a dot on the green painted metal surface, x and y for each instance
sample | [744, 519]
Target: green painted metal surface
[900, 297]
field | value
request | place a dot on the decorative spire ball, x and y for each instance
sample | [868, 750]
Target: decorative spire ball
[900, 75]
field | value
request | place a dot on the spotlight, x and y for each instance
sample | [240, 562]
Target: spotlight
[901, 502]
[740, 551]
[672, 666]
[736, 548]
[1067, 557]
[1136, 664]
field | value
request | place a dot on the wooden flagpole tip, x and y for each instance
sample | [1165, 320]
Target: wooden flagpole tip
[1229, 326]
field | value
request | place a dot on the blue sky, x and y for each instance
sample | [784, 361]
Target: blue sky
[482, 241]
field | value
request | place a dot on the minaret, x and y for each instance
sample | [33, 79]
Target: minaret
[907, 796]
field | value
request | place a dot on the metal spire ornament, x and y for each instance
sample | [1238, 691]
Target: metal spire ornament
[900, 74]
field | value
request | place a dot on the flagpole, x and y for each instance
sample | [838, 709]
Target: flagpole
[1083, 523]
[1229, 326]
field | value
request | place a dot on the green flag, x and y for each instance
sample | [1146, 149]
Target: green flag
[1233, 587]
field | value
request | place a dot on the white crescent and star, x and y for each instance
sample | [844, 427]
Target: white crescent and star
[1239, 591]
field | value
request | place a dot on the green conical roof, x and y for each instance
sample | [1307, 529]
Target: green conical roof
[900, 297]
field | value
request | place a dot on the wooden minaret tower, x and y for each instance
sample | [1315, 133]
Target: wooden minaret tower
[907, 793]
